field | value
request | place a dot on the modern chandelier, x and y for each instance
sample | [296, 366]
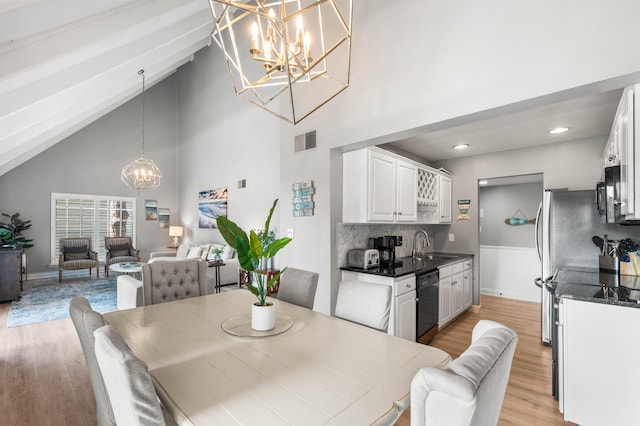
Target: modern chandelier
[289, 57]
[143, 172]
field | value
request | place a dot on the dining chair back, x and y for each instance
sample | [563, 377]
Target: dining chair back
[470, 390]
[298, 287]
[127, 380]
[174, 280]
[86, 321]
[364, 303]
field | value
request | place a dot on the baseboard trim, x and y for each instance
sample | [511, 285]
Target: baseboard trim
[476, 309]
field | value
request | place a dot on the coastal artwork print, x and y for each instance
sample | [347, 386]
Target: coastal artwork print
[164, 217]
[211, 204]
[151, 210]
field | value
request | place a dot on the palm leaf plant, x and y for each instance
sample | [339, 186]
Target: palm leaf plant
[254, 252]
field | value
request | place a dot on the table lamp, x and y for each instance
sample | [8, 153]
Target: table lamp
[175, 232]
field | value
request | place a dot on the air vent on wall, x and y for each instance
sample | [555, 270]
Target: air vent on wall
[305, 141]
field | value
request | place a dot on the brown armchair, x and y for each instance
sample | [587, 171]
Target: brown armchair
[119, 249]
[77, 253]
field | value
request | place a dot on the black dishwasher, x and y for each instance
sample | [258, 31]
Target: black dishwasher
[428, 288]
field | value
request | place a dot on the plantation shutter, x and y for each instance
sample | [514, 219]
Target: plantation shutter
[94, 216]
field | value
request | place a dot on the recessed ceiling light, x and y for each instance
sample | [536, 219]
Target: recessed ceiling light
[483, 182]
[461, 146]
[559, 130]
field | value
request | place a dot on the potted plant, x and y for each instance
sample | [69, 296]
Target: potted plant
[11, 232]
[253, 255]
[216, 254]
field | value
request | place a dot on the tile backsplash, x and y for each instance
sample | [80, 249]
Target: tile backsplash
[352, 236]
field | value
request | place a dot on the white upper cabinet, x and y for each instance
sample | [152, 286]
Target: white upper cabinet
[445, 199]
[380, 186]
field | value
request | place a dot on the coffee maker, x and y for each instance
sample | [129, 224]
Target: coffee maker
[387, 247]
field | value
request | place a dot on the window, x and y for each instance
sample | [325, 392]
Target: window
[95, 216]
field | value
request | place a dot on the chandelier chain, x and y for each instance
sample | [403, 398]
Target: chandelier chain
[141, 72]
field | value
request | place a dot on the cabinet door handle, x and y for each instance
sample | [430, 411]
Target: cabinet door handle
[454, 282]
[399, 213]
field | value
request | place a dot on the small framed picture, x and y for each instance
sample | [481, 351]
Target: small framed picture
[164, 217]
[151, 210]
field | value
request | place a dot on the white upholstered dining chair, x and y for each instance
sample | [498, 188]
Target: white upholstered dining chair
[86, 321]
[470, 390]
[298, 287]
[128, 382]
[364, 303]
[167, 281]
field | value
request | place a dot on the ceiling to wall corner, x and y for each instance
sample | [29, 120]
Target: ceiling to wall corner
[65, 63]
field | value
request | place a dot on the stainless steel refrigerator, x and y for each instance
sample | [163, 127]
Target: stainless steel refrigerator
[566, 223]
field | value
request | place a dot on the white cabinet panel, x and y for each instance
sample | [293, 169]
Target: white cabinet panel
[600, 381]
[445, 312]
[406, 192]
[405, 316]
[382, 188]
[445, 199]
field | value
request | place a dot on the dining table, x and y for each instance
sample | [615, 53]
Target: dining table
[210, 368]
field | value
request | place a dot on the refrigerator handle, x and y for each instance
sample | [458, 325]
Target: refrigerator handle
[536, 231]
[538, 282]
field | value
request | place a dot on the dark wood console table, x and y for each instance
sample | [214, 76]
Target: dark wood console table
[245, 277]
[10, 274]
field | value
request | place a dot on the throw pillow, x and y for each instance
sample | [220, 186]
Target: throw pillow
[193, 252]
[76, 252]
[183, 250]
[118, 250]
[204, 252]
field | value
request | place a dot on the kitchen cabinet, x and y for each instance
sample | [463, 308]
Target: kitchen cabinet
[382, 187]
[598, 353]
[456, 281]
[622, 149]
[445, 199]
[10, 274]
[402, 318]
[378, 187]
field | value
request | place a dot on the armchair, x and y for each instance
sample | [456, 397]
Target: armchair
[119, 249]
[77, 253]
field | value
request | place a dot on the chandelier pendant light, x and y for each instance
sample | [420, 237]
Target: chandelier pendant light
[289, 57]
[142, 173]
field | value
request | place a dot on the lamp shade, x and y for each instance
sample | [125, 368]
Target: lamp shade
[176, 231]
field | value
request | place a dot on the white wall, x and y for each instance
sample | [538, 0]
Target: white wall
[509, 272]
[223, 140]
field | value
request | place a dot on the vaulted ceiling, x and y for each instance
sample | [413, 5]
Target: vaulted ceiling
[65, 63]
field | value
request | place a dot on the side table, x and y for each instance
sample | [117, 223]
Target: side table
[216, 264]
[244, 276]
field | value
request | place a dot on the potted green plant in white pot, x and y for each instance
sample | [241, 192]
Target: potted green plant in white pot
[253, 256]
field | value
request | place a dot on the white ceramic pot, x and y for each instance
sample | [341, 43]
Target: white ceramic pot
[263, 317]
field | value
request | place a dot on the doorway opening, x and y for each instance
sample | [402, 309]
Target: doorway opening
[508, 209]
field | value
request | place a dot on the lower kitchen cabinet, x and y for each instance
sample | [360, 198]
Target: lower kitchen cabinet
[402, 318]
[456, 281]
[599, 381]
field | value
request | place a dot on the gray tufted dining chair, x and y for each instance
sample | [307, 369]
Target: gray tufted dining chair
[167, 281]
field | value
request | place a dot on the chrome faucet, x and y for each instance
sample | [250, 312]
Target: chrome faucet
[414, 254]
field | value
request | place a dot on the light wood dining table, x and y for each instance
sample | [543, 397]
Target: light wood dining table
[323, 370]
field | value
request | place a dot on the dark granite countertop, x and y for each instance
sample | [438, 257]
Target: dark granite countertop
[592, 285]
[408, 265]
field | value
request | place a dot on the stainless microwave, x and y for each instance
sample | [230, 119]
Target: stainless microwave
[608, 197]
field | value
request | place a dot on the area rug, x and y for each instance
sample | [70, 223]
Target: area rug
[51, 302]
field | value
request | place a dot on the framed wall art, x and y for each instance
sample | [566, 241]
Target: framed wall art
[164, 217]
[151, 210]
[211, 204]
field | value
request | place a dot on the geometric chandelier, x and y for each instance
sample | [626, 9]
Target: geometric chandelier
[289, 57]
[143, 172]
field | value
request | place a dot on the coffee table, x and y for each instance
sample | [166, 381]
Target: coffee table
[129, 268]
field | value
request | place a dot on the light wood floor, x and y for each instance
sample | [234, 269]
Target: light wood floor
[44, 379]
[528, 398]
